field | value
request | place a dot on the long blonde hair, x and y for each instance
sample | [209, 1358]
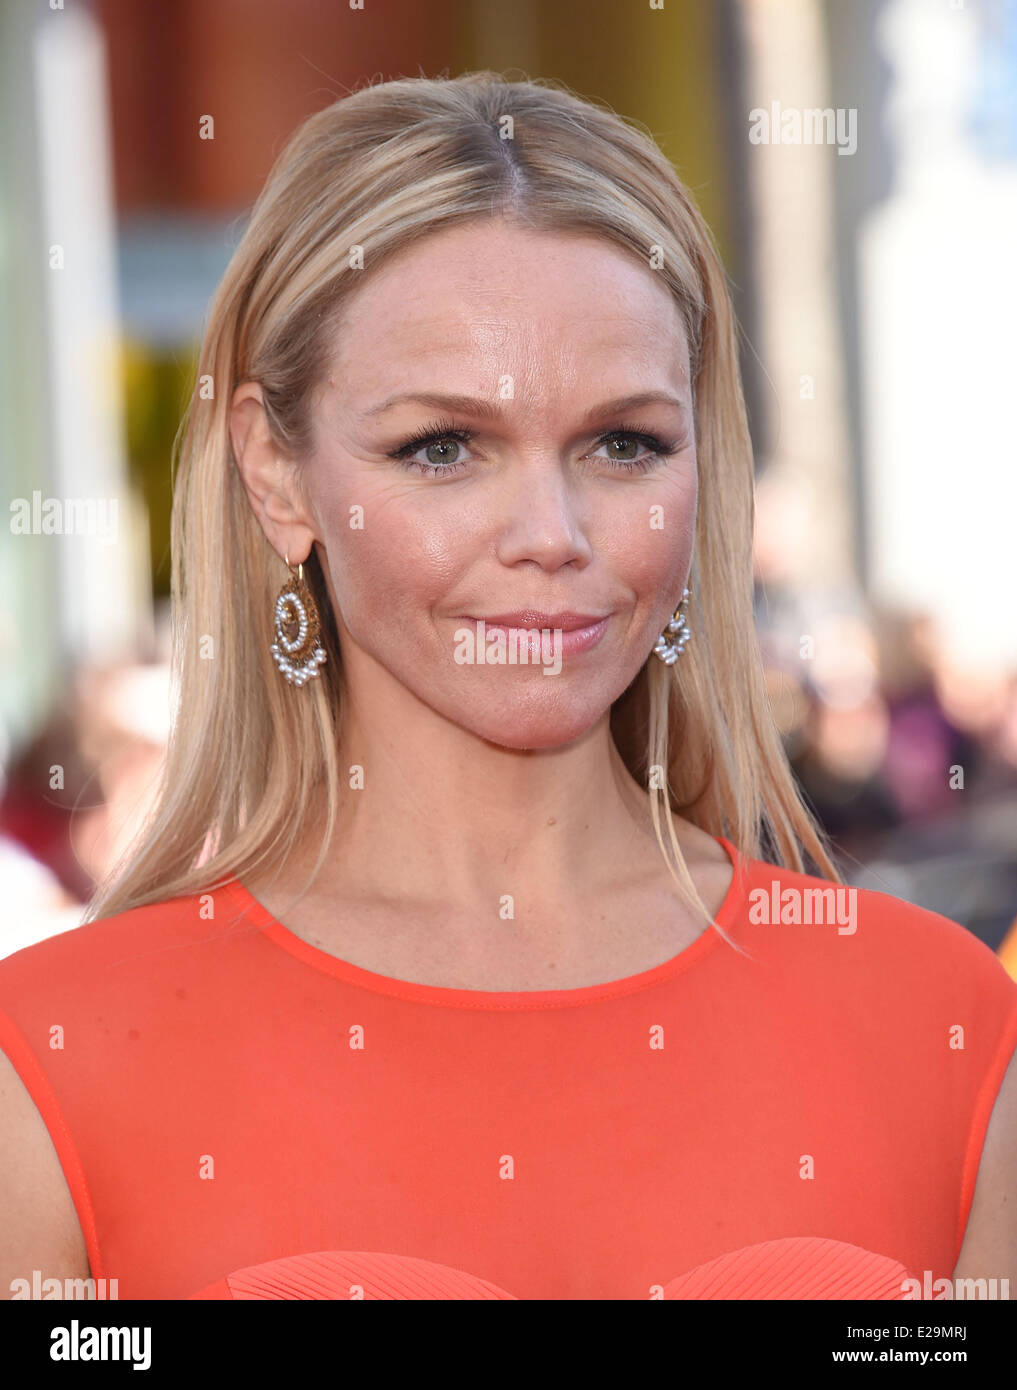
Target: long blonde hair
[379, 169]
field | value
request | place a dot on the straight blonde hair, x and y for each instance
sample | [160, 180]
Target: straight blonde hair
[379, 169]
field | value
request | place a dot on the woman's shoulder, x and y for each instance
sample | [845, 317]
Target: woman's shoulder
[79, 956]
[863, 931]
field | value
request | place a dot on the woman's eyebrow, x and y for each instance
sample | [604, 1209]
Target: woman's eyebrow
[475, 405]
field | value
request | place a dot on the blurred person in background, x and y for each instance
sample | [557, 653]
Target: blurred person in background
[77, 794]
[45, 886]
[923, 742]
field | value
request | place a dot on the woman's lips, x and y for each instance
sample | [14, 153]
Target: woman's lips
[569, 641]
[566, 618]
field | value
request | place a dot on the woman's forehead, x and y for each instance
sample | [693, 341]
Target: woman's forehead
[451, 304]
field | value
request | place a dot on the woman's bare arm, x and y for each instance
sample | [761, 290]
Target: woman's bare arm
[990, 1241]
[39, 1227]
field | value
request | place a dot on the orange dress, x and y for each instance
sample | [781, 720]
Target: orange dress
[241, 1115]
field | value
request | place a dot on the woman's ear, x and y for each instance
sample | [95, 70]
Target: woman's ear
[269, 481]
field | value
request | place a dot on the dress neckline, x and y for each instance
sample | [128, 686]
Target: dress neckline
[499, 1000]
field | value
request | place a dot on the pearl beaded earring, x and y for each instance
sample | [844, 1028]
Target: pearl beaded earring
[673, 640]
[299, 656]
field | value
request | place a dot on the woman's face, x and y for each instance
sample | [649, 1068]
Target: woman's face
[546, 499]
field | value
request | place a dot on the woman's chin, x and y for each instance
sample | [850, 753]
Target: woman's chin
[535, 729]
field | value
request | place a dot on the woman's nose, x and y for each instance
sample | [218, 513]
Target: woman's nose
[545, 517]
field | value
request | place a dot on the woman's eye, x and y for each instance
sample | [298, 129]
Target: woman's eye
[630, 441]
[441, 452]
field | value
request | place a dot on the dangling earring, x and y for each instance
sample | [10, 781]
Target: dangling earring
[297, 657]
[672, 641]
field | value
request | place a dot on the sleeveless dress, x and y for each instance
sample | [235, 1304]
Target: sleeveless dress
[241, 1115]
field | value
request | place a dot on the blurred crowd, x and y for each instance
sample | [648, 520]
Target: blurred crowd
[906, 754]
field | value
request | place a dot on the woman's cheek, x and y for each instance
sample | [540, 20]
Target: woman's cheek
[375, 554]
[652, 539]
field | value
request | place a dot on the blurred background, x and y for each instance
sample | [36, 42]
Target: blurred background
[857, 161]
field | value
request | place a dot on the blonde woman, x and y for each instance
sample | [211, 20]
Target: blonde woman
[457, 962]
